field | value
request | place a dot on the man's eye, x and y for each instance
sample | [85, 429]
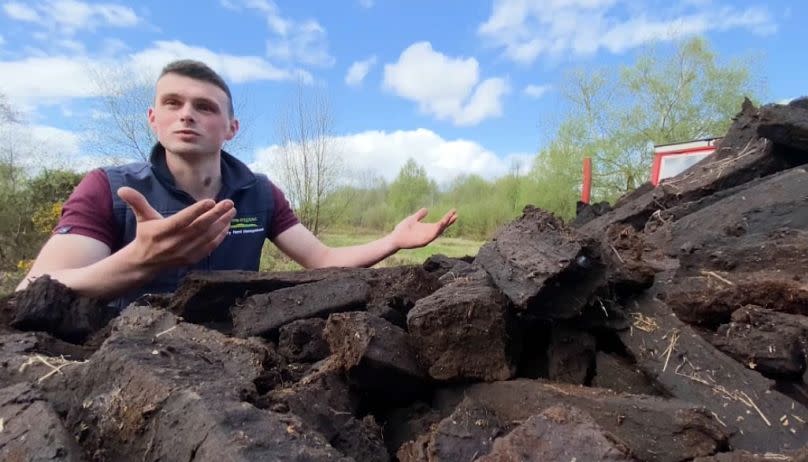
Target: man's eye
[172, 102]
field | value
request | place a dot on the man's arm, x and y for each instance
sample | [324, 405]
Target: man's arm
[87, 266]
[303, 247]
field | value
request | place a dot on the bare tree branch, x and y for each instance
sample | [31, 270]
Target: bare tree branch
[310, 162]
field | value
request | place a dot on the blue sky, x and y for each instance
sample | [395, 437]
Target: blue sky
[461, 86]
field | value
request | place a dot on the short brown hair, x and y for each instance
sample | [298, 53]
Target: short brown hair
[198, 70]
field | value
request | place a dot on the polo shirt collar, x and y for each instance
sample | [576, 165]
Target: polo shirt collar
[235, 174]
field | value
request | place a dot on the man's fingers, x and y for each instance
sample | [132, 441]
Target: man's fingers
[203, 222]
[221, 224]
[453, 219]
[186, 216]
[137, 202]
[218, 240]
[420, 214]
[449, 218]
[209, 239]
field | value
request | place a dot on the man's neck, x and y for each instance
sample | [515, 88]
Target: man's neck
[199, 176]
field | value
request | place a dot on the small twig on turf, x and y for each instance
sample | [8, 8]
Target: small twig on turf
[618, 254]
[718, 418]
[671, 346]
[644, 323]
[717, 276]
[165, 331]
[748, 401]
[54, 369]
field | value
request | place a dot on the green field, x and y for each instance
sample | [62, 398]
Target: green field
[273, 260]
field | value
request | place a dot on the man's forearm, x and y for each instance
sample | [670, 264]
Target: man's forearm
[104, 279]
[363, 255]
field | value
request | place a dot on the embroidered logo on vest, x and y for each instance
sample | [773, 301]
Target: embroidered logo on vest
[245, 225]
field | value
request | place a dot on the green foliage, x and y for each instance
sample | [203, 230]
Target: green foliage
[52, 186]
[556, 171]
[359, 207]
[30, 208]
[619, 114]
[412, 189]
[482, 206]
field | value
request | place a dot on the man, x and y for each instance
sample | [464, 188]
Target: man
[140, 228]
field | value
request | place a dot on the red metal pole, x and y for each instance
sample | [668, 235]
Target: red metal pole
[587, 186]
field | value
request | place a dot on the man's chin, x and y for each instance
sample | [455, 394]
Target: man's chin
[189, 150]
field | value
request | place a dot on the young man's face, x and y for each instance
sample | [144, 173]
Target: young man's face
[191, 116]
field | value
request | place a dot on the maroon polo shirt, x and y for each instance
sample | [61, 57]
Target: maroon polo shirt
[88, 212]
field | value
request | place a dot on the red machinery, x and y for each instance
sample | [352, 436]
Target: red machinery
[669, 161]
[673, 159]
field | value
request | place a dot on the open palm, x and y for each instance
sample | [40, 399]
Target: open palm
[412, 233]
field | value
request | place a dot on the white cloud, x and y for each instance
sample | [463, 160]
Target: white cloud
[386, 152]
[527, 29]
[56, 140]
[303, 42]
[359, 70]
[45, 79]
[54, 79]
[366, 3]
[113, 47]
[69, 16]
[72, 46]
[43, 146]
[235, 69]
[20, 12]
[445, 87]
[536, 91]
[40, 146]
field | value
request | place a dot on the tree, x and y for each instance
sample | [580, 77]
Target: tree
[619, 114]
[556, 171]
[412, 189]
[310, 164]
[120, 125]
[29, 204]
[30, 197]
[52, 186]
[511, 186]
[7, 113]
[362, 203]
[10, 170]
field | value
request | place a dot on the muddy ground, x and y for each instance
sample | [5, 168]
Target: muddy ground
[671, 326]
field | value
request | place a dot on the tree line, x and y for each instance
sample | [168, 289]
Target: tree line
[616, 115]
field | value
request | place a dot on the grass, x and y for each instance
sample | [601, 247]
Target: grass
[273, 260]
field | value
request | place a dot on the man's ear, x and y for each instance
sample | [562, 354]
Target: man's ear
[150, 117]
[234, 126]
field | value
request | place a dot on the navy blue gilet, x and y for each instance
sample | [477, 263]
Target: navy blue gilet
[240, 250]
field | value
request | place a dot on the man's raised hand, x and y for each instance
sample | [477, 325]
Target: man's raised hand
[412, 233]
[181, 239]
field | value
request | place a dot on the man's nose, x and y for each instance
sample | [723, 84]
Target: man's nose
[187, 113]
